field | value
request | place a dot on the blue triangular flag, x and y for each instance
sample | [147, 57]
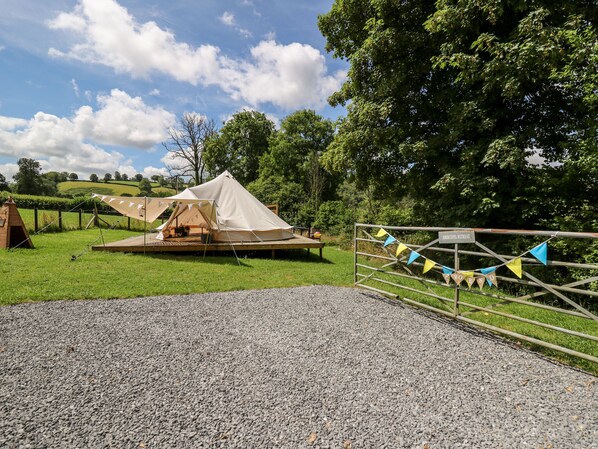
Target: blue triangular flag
[390, 239]
[540, 252]
[447, 270]
[414, 255]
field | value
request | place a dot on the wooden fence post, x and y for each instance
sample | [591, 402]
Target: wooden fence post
[35, 219]
[60, 219]
[80, 219]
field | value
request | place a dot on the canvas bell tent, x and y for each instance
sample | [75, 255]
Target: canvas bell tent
[221, 210]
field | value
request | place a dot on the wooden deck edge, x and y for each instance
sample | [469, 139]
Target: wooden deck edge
[178, 247]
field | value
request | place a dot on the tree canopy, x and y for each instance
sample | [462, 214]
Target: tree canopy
[29, 180]
[239, 145]
[293, 159]
[145, 187]
[3, 183]
[449, 103]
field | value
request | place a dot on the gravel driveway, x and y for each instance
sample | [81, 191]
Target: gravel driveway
[286, 368]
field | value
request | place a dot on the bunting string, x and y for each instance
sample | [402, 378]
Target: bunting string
[479, 276]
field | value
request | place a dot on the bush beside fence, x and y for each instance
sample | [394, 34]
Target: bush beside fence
[54, 203]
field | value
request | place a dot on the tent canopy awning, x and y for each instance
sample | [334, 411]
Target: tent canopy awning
[146, 208]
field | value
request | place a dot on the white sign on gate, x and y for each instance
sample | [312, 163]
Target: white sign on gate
[449, 237]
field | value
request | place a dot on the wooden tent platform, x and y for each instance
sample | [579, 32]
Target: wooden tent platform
[152, 245]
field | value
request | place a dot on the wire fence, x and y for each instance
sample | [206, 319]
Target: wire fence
[53, 220]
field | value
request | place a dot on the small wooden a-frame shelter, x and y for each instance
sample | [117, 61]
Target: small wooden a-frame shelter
[13, 232]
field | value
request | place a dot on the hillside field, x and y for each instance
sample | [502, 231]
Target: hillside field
[84, 188]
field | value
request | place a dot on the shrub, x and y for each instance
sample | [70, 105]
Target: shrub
[334, 217]
[275, 190]
[54, 203]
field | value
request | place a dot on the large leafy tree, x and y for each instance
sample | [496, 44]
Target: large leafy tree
[293, 164]
[239, 145]
[448, 100]
[295, 152]
[29, 180]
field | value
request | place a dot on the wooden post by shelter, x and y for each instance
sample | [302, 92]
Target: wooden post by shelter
[13, 232]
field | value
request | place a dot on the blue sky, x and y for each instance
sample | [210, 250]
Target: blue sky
[91, 86]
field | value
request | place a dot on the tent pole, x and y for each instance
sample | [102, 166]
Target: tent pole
[95, 210]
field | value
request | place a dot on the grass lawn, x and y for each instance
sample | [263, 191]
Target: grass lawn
[47, 272]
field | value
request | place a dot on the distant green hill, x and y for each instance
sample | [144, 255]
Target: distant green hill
[84, 188]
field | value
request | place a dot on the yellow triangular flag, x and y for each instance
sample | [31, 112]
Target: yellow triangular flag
[468, 274]
[401, 248]
[381, 233]
[515, 266]
[428, 265]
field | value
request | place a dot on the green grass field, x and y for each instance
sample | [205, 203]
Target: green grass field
[116, 188]
[47, 272]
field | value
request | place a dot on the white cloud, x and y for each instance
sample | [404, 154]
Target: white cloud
[9, 170]
[69, 21]
[245, 33]
[154, 93]
[150, 171]
[274, 120]
[126, 121]
[75, 87]
[270, 36]
[174, 162]
[289, 76]
[2, 47]
[10, 123]
[228, 18]
[73, 143]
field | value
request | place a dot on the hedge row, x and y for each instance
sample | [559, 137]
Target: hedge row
[54, 203]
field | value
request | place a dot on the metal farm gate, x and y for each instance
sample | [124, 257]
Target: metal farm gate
[461, 273]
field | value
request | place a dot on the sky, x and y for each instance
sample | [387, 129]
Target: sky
[92, 86]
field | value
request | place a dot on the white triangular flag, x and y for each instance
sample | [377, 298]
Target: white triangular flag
[447, 278]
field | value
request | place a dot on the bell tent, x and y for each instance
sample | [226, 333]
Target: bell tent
[221, 209]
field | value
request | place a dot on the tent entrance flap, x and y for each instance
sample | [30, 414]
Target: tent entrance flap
[196, 217]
